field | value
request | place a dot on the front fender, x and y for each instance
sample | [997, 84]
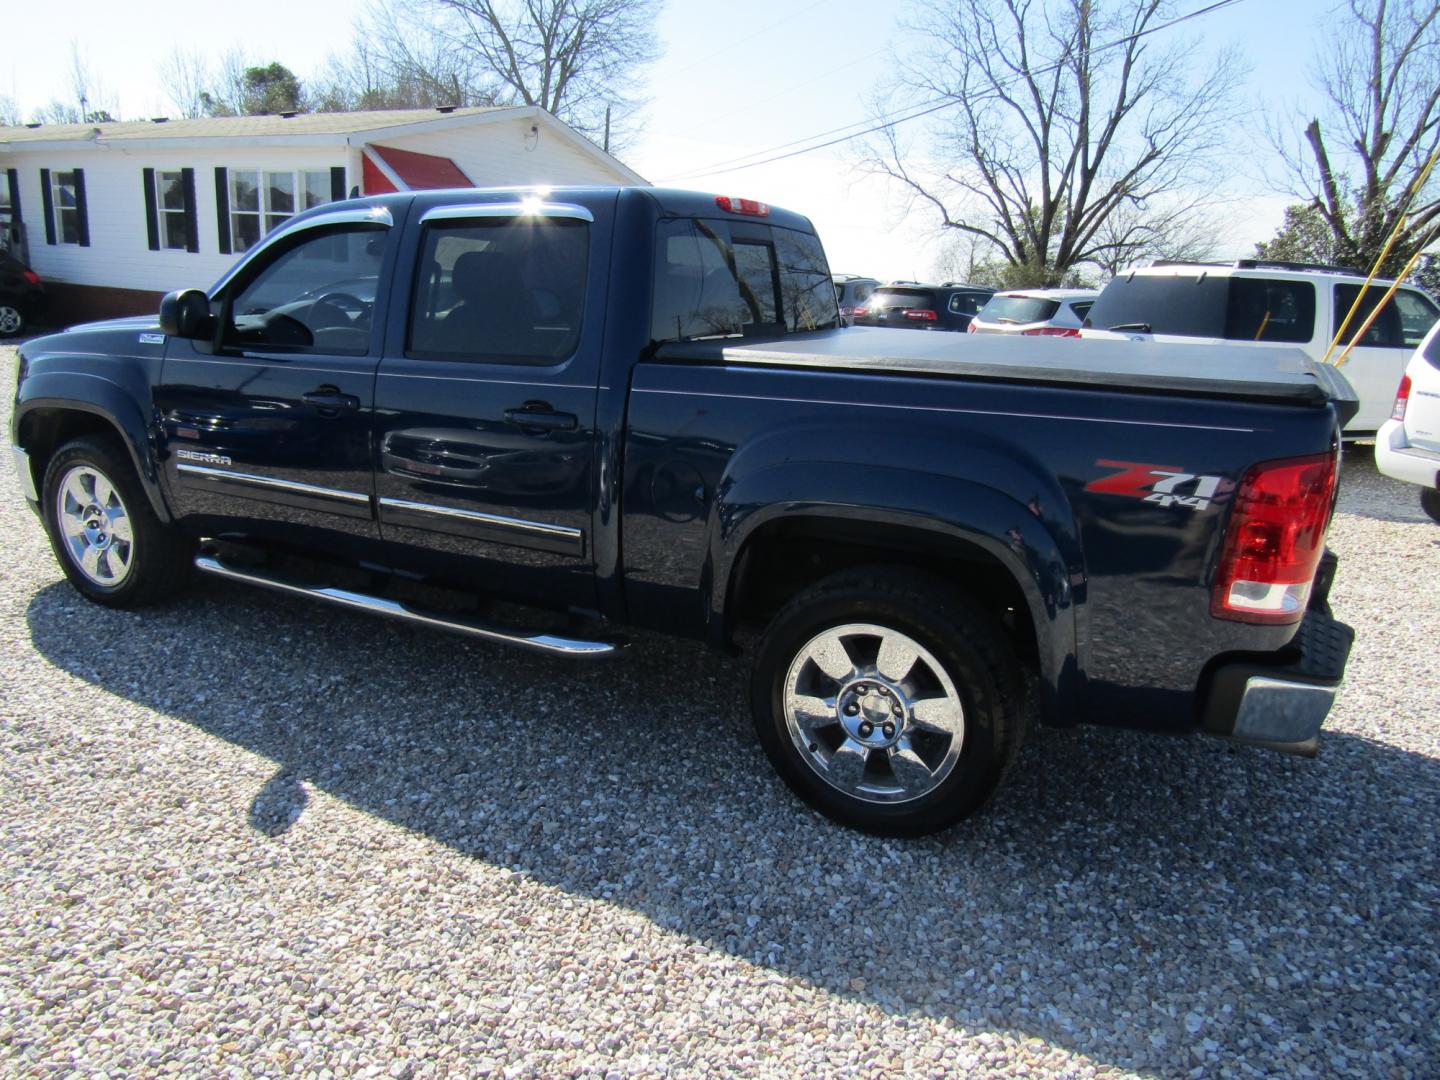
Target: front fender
[958, 510]
[44, 393]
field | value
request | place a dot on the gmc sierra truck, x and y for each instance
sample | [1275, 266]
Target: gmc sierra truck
[637, 407]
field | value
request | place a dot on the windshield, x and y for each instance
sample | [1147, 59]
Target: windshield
[1018, 309]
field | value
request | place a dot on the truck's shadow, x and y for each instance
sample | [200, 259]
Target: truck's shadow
[1127, 896]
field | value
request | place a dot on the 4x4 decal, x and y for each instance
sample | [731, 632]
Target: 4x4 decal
[1168, 485]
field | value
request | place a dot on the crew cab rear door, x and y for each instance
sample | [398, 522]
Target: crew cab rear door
[486, 396]
[269, 434]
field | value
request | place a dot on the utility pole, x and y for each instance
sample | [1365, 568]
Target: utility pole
[606, 146]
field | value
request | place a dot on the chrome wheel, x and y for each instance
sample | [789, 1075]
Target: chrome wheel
[873, 713]
[95, 526]
[10, 319]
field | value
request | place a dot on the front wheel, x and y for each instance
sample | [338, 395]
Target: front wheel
[12, 319]
[106, 536]
[887, 700]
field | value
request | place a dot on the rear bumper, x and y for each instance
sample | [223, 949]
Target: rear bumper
[1281, 705]
[1394, 456]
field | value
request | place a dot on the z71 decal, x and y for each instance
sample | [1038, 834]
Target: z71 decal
[1168, 485]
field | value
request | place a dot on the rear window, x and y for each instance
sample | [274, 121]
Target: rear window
[1234, 308]
[729, 279]
[1019, 309]
[1401, 324]
[892, 299]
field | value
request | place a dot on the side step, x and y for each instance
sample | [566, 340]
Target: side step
[575, 648]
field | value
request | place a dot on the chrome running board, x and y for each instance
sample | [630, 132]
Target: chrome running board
[576, 648]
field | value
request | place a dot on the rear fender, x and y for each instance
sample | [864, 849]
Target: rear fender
[959, 510]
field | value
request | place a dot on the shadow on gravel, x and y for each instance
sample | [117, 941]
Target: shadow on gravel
[1150, 902]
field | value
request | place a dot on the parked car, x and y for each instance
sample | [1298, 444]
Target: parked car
[1035, 312]
[852, 291]
[930, 550]
[1408, 444]
[913, 306]
[22, 296]
[1252, 302]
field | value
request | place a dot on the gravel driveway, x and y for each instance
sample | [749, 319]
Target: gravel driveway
[243, 835]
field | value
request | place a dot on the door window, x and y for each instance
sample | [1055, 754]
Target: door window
[316, 295]
[502, 290]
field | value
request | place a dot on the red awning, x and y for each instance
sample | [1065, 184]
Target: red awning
[416, 172]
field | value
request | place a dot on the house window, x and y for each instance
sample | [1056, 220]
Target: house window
[170, 209]
[65, 198]
[259, 201]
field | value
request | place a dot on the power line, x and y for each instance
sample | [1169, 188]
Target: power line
[924, 109]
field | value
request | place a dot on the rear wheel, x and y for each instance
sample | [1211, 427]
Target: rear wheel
[1430, 503]
[12, 319]
[106, 536]
[888, 701]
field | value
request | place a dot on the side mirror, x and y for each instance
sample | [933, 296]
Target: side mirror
[185, 313]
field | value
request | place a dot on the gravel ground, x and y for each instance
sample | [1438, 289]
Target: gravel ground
[243, 835]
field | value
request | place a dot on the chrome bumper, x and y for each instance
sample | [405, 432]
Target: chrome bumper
[21, 461]
[1281, 706]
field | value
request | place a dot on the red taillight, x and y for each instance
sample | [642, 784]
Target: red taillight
[860, 311]
[1275, 539]
[1402, 399]
[970, 327]
[1052, 331]
[742, 206]
[31, 276]
[919, 314]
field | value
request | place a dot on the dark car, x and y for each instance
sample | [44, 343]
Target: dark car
[22, 297]
[908, 306]
[851, 292]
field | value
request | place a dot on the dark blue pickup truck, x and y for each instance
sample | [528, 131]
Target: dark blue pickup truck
[637, 407]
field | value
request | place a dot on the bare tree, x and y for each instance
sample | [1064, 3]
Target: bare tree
[1064, 135]
[1362, 156]
[92, 103]
[9, 112]
[577, 59]
[185, 77]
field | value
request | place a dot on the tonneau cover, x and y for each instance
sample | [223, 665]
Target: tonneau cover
[1248, 372]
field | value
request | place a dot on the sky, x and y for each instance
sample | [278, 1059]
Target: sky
[736, 79]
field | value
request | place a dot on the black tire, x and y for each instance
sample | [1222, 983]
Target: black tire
[12, 318]
[1430, 503]
[148, 565]
[968, 647]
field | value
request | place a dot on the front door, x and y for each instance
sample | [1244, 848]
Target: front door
[269, 434]
[485, 402]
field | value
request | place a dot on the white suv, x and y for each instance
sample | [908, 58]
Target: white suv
[1255, 302]
[1408, 446]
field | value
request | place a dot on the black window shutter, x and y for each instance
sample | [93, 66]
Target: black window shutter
[49, 200]
[337, 183]
[152, 216]
[12, 177]
[82, 214]
[192, 217]
[222, 208]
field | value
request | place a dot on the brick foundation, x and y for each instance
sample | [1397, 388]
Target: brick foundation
[69, 304]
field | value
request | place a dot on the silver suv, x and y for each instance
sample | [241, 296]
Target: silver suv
[1255, 302]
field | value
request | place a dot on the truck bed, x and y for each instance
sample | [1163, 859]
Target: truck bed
[1251, 374]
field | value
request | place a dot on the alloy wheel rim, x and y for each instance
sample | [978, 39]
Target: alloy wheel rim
[873, 713]
[10, 319]
[95, 526]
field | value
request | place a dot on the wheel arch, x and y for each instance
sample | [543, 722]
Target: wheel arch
[51, 413]
[992, 546]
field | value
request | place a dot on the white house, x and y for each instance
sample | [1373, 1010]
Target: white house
[114, 215]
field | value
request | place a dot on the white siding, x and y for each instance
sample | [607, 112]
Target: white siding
[119, 255]
[495, 154]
